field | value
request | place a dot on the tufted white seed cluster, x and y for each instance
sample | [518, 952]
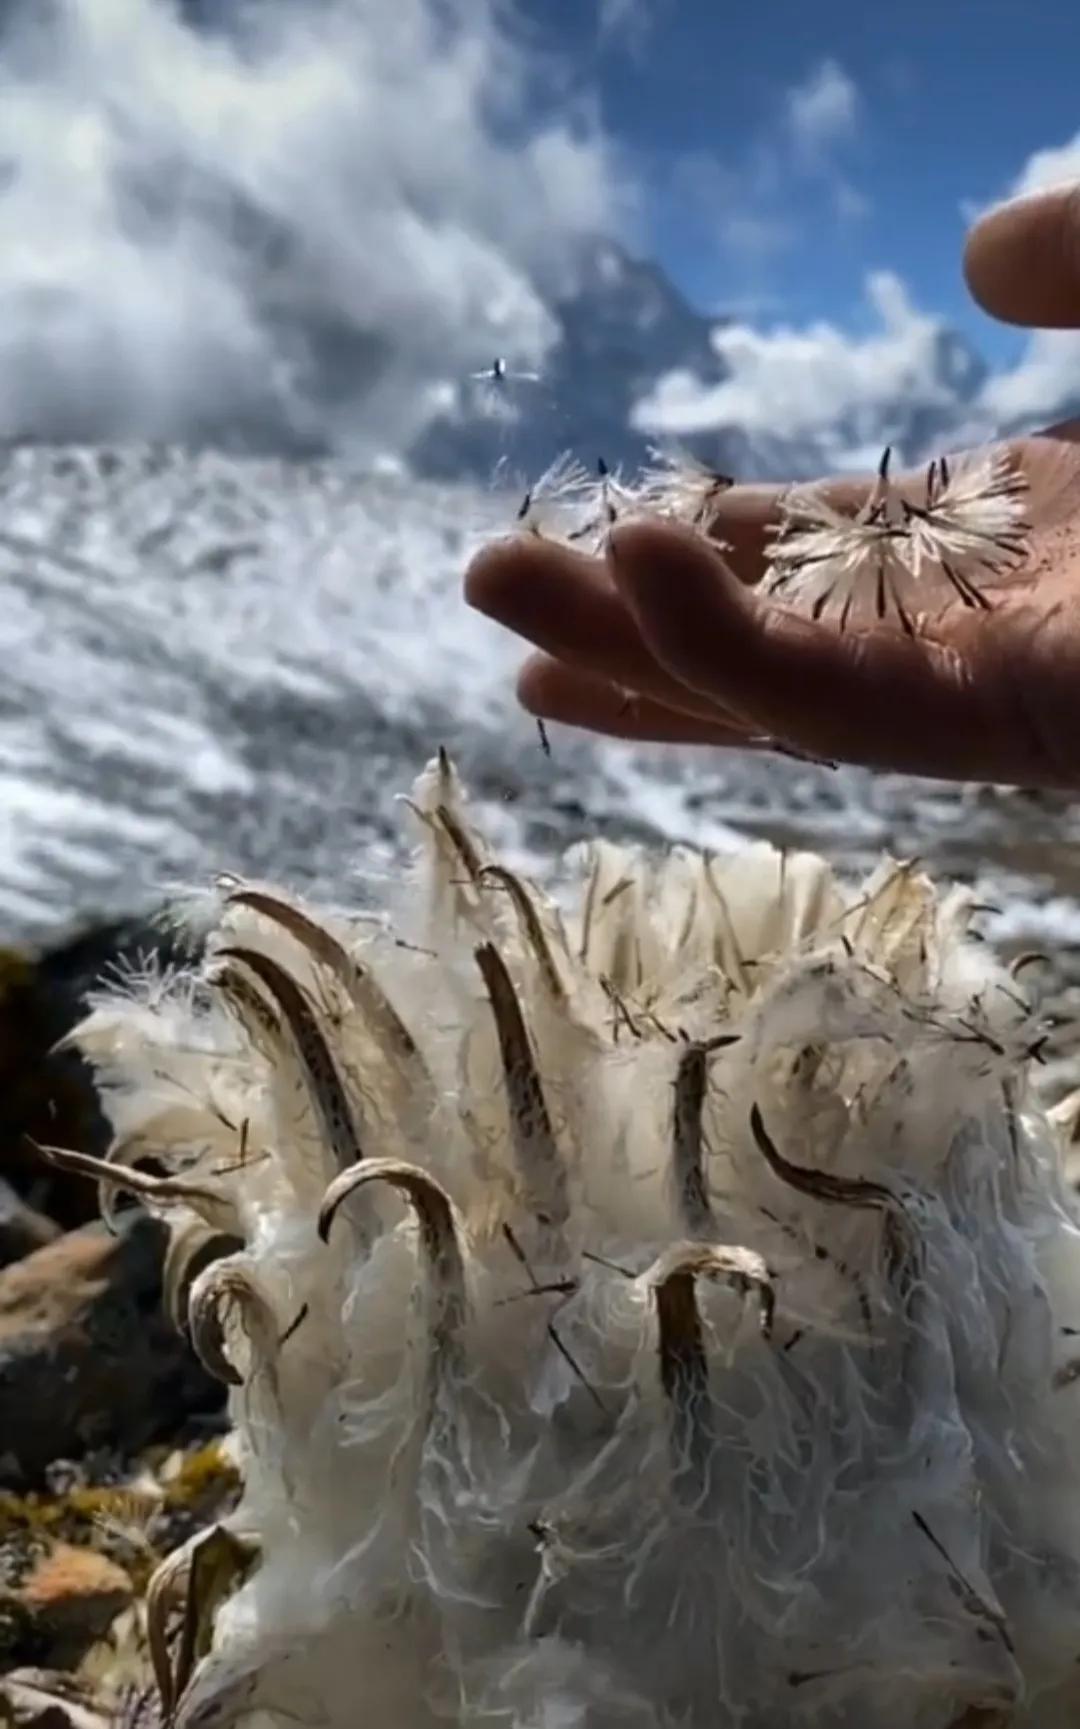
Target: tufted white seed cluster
[897, 555]
[568, 503]
[650, 1307]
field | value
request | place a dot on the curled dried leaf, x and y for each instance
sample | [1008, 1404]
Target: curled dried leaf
[438, 1231]
[533, 1137]
[684, 1364]
[161, 1593]
[258, 1018]
[218, 1561]
[212, 1202]
[687, 1140]
[525, 908]
[161, 1133]
[743, 1269]
[461, 841]
[822, 1185]
[223, 1285]
[192, 1248]
[361, 987]
[119, 1152]
[324, 1085]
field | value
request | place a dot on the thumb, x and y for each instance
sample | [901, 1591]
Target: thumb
[1022, 260]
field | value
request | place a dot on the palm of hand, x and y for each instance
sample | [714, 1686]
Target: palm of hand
[662, 639]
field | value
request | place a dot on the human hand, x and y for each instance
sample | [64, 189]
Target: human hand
[663, 639]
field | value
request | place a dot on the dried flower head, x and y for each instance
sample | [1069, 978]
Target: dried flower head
[676, 485]
[561, 501]
[649, 1312]
[570, 504]
[897, 555]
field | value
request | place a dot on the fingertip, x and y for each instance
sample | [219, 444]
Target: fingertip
[494, 573]
[1022, 260]
[645, 548]
[556, 597]
[671, 578]
[535, 682]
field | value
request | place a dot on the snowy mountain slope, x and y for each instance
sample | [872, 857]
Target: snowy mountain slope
[212, 662]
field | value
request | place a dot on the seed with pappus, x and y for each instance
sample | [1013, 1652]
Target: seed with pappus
[568, 503]
[900, 555]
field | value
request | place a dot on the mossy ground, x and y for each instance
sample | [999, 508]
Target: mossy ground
[131, 1513]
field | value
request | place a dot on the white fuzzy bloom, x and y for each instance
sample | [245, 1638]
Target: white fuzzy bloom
[654, 1313]
[568, 503]
[676, 485]
[897, 555]
[563, 502]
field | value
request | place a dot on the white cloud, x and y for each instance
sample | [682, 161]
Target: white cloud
[1058, 165]
[818, 395]
[819, 398]
[753, 234]
[627, 24]
[197, 228]
[736, 211]
[824, 109]
[1042, 387]
[1055, 165]
[748, 210]
[851, 204]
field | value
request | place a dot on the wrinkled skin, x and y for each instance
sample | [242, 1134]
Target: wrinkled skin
[662, 639]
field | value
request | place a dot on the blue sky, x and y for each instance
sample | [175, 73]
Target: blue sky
[433, 168]
[947, 104]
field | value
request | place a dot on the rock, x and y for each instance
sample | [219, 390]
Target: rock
[88, 1359]
[45, 1093]
[40, 1699]
[64, 1603]
[22, 1230]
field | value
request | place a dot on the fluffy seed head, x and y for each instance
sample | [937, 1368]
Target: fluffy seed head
[686, 1341]
[902, 554]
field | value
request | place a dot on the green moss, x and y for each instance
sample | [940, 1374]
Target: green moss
[97, 1515]
[206, 1471]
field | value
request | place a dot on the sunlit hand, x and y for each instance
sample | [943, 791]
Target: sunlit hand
[663, 639]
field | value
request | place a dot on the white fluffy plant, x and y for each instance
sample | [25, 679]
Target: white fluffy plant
[656, 1313]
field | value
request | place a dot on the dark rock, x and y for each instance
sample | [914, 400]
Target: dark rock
[22, 1230]
[65, 1603]
[48, 1094]
[88, 1359]
[44, 1094]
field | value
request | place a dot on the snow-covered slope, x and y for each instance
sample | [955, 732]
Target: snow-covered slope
[213, 662]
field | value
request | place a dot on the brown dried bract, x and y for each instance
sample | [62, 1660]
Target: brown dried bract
[533, 1137]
